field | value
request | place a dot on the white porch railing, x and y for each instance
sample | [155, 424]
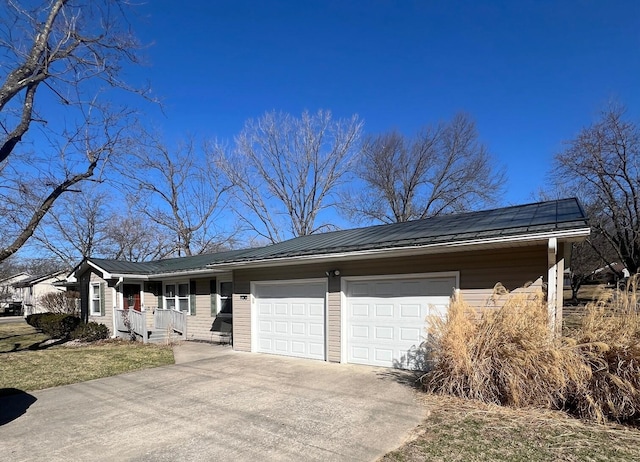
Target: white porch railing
[131, 323]
[170, 319]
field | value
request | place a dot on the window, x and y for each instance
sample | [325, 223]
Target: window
[226, 294]
[177, 296]
[95, 299]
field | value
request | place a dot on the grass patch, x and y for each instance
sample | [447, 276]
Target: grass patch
[462, 430]
[24, 365]
[19, 336]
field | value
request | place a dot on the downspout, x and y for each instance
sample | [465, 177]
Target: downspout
[552, 283]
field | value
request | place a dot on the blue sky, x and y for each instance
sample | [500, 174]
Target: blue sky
[531, 73]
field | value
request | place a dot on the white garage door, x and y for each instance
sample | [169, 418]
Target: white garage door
[290, 318]
[386, 318]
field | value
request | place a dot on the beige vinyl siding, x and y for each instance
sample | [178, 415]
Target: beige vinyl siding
[482, 299]
[479, 272]
[334, 332]
[107, 319]
[199, 325]
[241, 318]
[150, 303]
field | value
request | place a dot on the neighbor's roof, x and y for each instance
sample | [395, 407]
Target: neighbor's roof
[564, 218]
[33, 280]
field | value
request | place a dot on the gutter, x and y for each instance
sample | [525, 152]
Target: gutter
[149, 277]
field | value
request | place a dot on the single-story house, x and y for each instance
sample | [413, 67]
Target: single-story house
[10, 296]
[356, 296]
[32, 289]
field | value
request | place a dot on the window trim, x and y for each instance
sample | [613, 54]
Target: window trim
[95, 297]
[176, 297]
[222, 298]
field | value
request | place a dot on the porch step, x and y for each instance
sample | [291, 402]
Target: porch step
[164, 337]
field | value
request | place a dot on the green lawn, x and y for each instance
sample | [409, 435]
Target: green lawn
[26, 364]
[458, 430]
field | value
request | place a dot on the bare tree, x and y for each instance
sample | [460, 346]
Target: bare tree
[87, 224]
[181, 191]
[61, 60]
[76, 227]
[285, 169]
[132, 236]
[443, 169]
[602, 166]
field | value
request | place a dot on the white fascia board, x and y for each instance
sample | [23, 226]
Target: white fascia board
[105, 274]
[574, 235]
[148, 277]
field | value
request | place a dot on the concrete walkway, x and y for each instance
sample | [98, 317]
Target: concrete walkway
[215, 404]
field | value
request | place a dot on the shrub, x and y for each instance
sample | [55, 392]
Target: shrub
[61, 302]
[90, 332]
[34, 320]
[58, 326]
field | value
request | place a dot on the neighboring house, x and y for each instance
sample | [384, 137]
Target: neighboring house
[609, 274]
[10, 297]
[356, 296]
[33, 288]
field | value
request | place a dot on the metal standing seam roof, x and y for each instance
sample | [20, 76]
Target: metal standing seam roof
[541, 217]
[168, 265]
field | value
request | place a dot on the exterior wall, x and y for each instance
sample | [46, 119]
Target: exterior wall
[10, 294]
[31, 295]
[199, 324]
[479, 273]
[109, 301]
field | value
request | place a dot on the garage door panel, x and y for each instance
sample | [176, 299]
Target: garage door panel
[383, 355]
[264, 308]
[316, 330]
[409, 334]
[360, 310]
[298, 328]
[316, 310]
[360, 331]
[386, 319]
[297, 318]
[412, 311]
[383, 333]
[281, 346]
[385, 310]
[316, 349]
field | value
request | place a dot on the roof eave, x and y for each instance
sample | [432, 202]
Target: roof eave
[573, 235]
[173, 274]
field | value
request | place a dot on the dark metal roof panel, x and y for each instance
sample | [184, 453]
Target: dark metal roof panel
[558, 215]
[540, 217]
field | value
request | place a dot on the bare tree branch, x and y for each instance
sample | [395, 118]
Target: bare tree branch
[72, 52]
[443, 169]
[602, 166]
[285, 169]
[181, 191]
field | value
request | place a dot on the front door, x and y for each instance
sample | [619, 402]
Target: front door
[131, 296]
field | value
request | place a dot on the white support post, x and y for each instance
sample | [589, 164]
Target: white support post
[552, 283]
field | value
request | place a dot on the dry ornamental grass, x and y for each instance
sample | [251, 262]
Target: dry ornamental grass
[508, 357]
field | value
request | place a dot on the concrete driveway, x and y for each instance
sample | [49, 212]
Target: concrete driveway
[215, 404]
